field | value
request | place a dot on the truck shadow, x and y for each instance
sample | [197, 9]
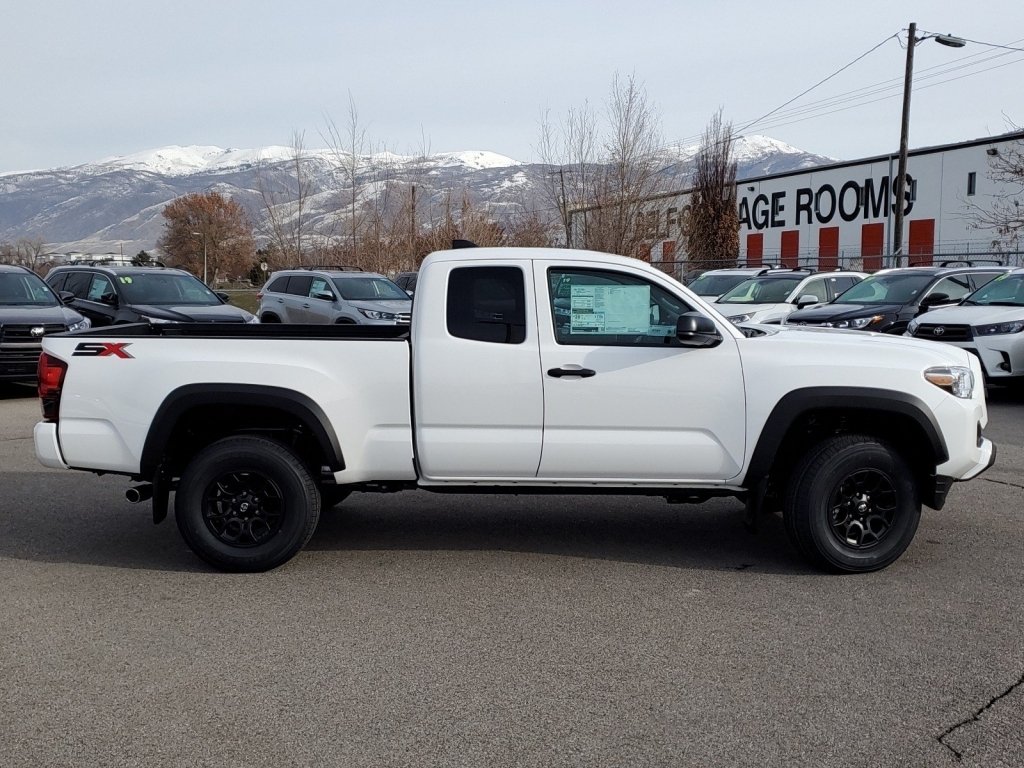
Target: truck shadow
[66, 518]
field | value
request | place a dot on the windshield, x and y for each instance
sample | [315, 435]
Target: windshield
[25, 288]
[1004, 291]
[166, 288]
[886, 289]
[762, 290]
[715, 285]
[369, 289]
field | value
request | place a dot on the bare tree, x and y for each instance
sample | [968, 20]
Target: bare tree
[284, 200]
[711, 225]
[605, 173]
[1004, 215]
[349, 148]
[25, 251]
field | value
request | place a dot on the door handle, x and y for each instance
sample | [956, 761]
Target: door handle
[583, 373]
[305, 306]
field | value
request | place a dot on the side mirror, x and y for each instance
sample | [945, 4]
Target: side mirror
[110, 299]
[695, 330]
[324, 295]
[223, 296]
[933, 299]
[806, 300]
[66, 297]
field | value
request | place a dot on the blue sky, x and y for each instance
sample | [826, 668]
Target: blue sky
[84, 81]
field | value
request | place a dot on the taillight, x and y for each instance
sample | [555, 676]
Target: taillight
[51, 379]
[259, 296]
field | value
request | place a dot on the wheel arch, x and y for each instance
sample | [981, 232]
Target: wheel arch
[809, 414]
[195, 415]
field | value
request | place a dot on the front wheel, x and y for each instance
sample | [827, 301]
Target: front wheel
[246, 504]
[852, 505]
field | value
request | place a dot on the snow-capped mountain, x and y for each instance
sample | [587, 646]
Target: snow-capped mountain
[116, 203]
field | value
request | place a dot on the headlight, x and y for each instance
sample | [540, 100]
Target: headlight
[739, 318]
[252, 319]
[154, 320]
[859, 323]
[375, 315]
[911, 327]
[81, 325]
[1015, 326]
[955, 379]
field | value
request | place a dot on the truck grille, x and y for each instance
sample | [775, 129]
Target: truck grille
[937, 332]
[404, 318]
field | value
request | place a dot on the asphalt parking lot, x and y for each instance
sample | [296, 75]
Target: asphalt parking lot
[427, 630]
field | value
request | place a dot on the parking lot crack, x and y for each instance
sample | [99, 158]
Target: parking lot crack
[976, 717]
[1003, 482]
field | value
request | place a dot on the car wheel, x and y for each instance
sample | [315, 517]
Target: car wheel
[269, 317]
[851, 505]
[345, 321]
[246, 504]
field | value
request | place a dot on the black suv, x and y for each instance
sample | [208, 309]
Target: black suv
[111, 295]
[29, 310]
[407, 281]
[888, 300]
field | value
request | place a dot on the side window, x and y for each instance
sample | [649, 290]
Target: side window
[319, 285]
[979, 279]
[594, 307]
[101, 289]
[57, 281]
[278, 284]
[816, 288]
[299, 285]
[487, 304]
[954, 286]
[840, 284]
[78, 283]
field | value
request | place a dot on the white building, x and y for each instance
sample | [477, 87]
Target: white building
[842, 214]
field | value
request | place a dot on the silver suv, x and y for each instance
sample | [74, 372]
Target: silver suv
[333, 295]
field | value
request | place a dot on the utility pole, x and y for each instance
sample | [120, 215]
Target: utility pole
[896, 241]
[412, 225]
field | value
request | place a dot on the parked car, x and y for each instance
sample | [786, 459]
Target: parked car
[29, 310]
[113, 295]
[888, 300]
[333, 295]
[407, 281]
[989, 323]
[714, 282]
[770, 297]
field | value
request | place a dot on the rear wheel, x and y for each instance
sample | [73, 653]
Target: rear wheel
[246, 504]
[852, 504]
[269, 317]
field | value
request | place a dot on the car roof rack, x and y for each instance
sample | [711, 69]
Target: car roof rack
[970, 262]
[328, 268]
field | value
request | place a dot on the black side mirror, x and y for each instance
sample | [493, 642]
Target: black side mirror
[933, 299]
[66, 297]
[324, 295]
[695, 330]
[223, 296]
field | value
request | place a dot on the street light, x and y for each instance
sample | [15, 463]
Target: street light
[203, 235]
[896, 243]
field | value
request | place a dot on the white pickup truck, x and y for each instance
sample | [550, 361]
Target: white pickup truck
[524, 370]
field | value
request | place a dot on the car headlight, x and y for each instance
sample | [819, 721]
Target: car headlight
[739, 318]
[252, 319]
[955, 379]
[911, 327]
[81, 325]
[995, 329]
[375, 315]
[859, 323]
[154, 320]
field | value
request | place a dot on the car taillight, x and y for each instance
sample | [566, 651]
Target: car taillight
[51, 379]
[259, 296]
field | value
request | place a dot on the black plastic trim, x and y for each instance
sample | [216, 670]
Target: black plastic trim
[800, 401]
[192, 395]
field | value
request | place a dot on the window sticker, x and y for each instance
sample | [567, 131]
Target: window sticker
[126, 279]
[610, 309]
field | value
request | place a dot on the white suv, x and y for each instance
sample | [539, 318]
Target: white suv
[341, 295]
[989, 323]
[714, 282]
[770, 297]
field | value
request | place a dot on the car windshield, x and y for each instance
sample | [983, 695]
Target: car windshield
[715, 285]
[762, 290]
[368, 289]
[1004, 291]
[886, 289]
[25, 289]
[165, 288]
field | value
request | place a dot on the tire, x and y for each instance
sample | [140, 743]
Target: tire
[246, 504]
[333, 495]
[345, 321]
[270, 318]
[851, 505]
